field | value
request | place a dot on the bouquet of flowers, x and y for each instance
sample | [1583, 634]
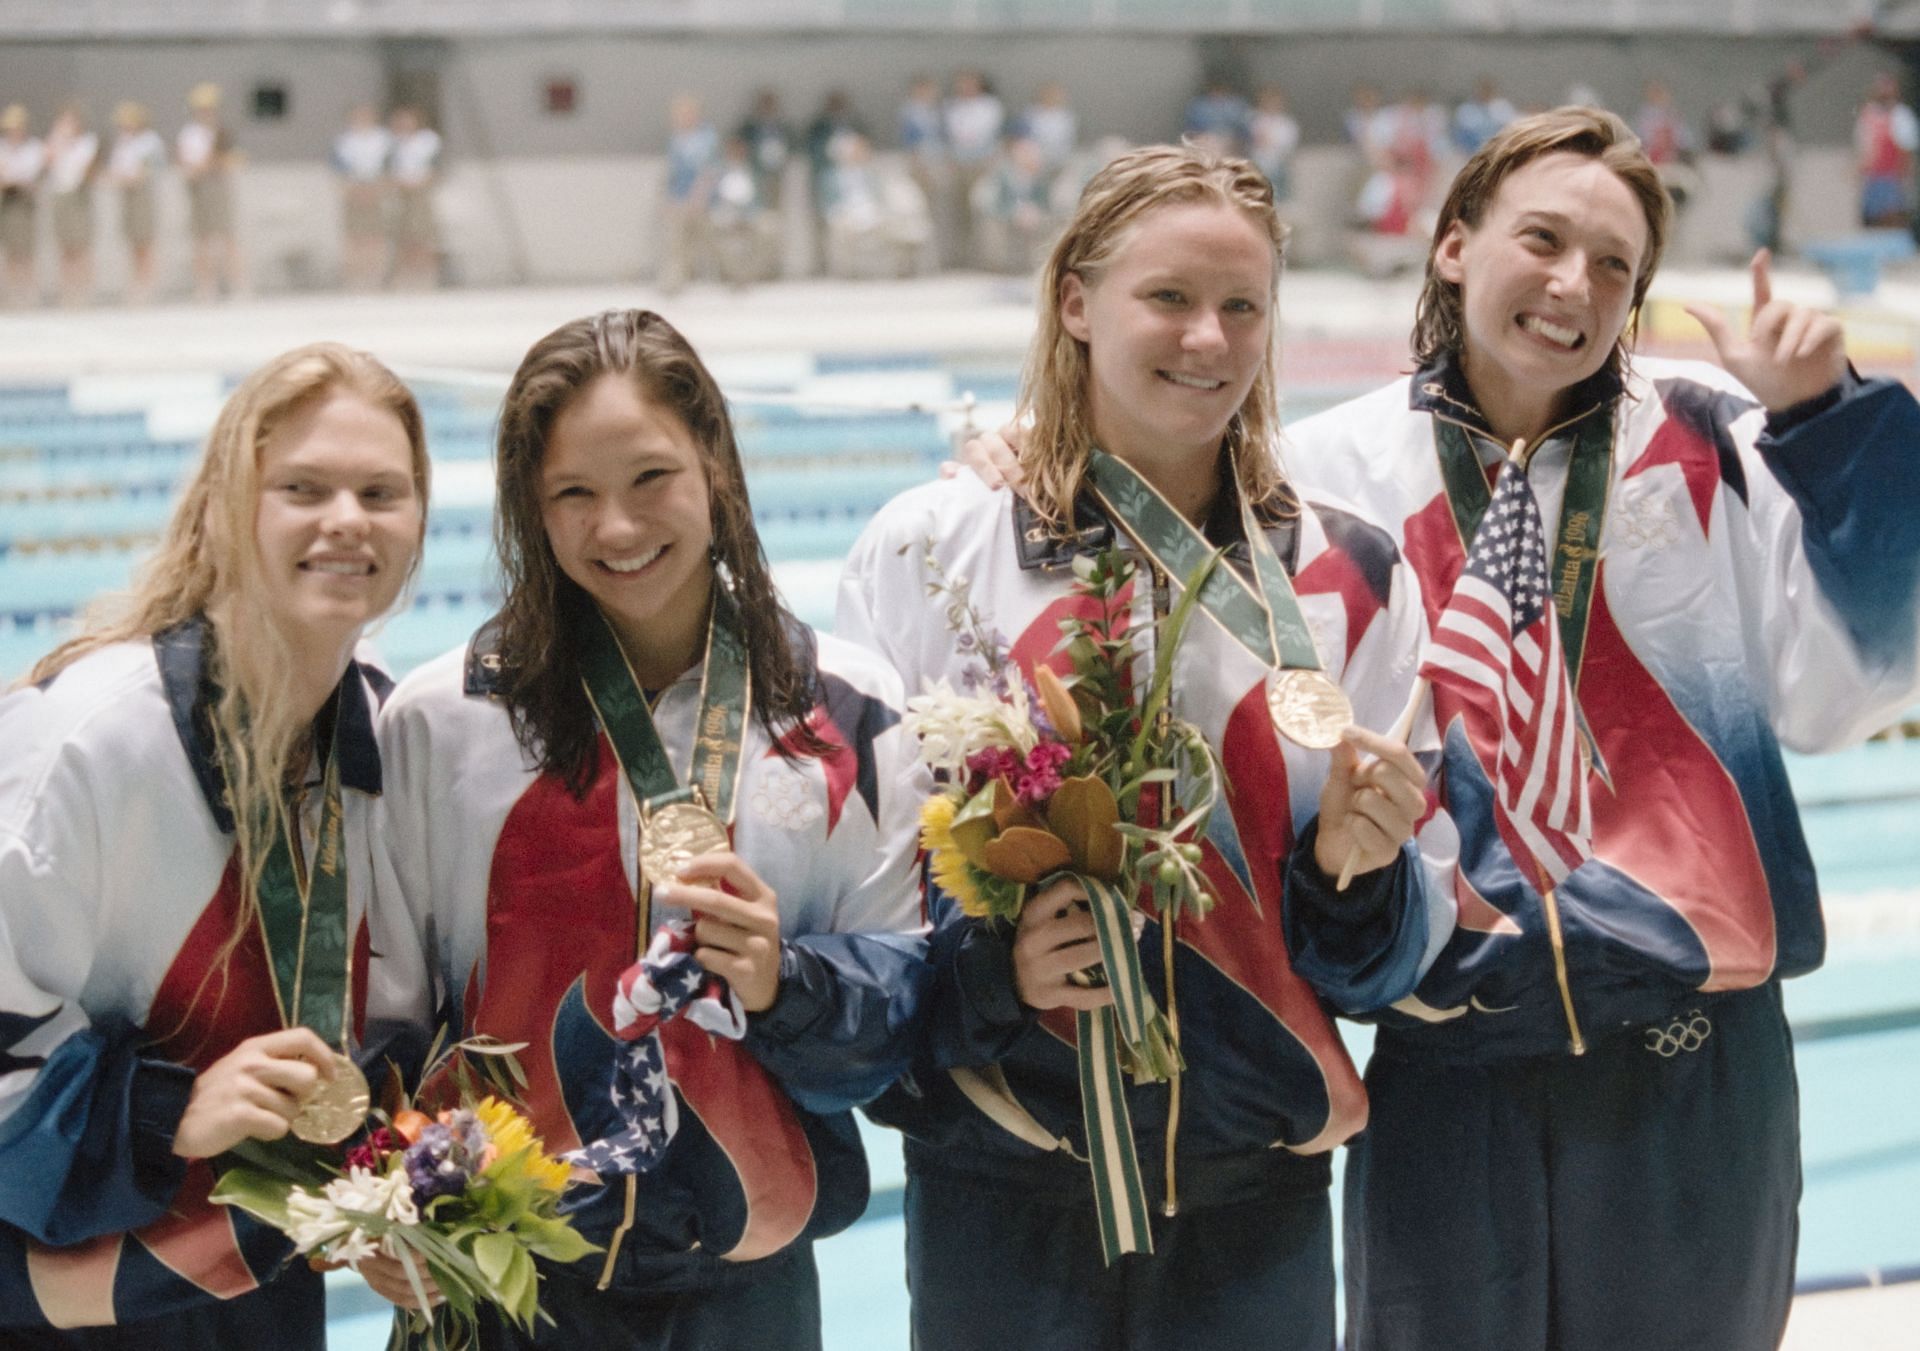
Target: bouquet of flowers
[1088, 775]
[471, 1194]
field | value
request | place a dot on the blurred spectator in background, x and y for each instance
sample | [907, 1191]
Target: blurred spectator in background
[693, 148]
[138, 154]
[23, 158]
[741, 223]
[1478, 118]
[1667, 140]
[923, 139]
[207, 158]
[1727, 130]
[1217, 117]
[1051, 124]
[974, 118]
[73, 163]
[359, 158]
[1362, 122]
[769, 142]
[413, 171]
[1407, 141]
[1885, 137]
[876, 223]
[1012, 206]
[1772, 109]
[1272, 138]
[835, 119]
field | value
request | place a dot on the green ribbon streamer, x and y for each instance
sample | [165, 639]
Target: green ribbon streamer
[1133, 1028]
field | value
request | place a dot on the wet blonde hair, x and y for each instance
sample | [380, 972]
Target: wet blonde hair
[1054, 387]
[208, 564]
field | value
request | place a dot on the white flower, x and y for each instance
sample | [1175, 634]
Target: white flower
[338, 1214]
[951, 726]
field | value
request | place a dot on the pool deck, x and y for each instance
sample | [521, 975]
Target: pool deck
[1330, 322]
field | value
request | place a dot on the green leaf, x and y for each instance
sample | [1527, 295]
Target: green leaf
[493, 1254]
[259, 1193]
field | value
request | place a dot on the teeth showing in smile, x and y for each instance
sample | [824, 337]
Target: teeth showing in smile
[1191, 381]
[633, 564]
[1552, 332]
[341, 569]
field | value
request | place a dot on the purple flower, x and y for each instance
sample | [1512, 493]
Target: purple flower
[438, 1164]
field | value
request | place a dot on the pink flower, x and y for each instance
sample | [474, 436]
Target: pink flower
[368, 1153]
[994, 762]
[1039, 778]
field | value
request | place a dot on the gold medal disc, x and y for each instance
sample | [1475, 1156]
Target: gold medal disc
[337, 1108]
[676, 833]
[1308, 708]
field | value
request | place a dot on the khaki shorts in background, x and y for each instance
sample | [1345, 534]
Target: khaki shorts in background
[73, 218]
[210, 206]
[16, 224]
[413, 225]
[137, 217]
[362, 216]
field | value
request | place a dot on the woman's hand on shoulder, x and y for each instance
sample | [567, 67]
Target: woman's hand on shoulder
[993, 456]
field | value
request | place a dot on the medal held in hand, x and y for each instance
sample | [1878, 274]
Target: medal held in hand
[675, 833]
[1308, 708]
[677, 822]
[335, 1109]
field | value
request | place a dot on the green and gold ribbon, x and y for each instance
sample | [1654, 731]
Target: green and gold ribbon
[713, 770]
[1264, 617]
[303, 918]
[1576, 543]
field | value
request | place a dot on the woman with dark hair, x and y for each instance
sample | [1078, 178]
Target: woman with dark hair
[174, 977]
[1735, 564]
[1151, 391]
[645, 741]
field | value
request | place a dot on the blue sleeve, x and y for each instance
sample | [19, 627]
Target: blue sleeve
[1850, 460]
[973, 1015]
[843, 1024]
[1360, 948]
[90, 1150]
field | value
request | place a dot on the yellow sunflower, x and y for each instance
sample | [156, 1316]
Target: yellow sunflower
[518, 1147]
[951, 872]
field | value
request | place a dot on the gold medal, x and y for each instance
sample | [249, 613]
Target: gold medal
[337, 1108]
[1308, 708]
[675, 833]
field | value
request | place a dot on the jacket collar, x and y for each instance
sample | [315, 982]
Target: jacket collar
[182, 654]
[1040, 547]
[1440, 387]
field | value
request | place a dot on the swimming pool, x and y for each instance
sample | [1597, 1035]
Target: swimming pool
[88, 471]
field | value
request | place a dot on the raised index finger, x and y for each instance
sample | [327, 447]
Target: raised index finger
[1762, 279]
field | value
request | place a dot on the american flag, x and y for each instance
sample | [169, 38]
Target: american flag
[1497, 646]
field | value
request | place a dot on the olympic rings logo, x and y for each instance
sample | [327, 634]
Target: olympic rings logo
[1682, 1035]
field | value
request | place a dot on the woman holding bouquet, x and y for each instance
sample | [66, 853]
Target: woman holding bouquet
[175, 978]
[643, 741]
[1150, 387]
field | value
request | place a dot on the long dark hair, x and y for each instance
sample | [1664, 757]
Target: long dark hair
[544, 608]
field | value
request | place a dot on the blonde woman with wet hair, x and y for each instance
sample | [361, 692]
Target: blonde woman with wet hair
[1150, 388]
[184, 793]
